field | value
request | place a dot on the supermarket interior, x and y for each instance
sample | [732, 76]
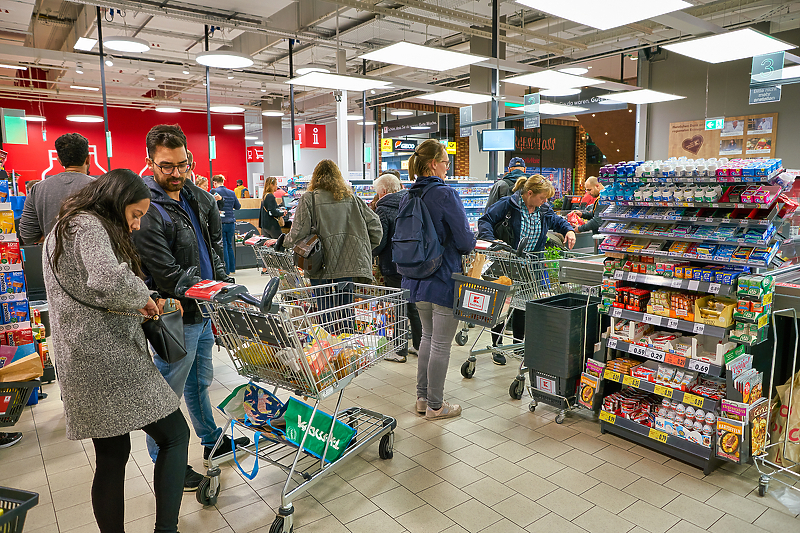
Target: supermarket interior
[639, 373]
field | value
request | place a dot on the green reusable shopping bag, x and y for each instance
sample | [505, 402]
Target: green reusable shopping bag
[297, 416]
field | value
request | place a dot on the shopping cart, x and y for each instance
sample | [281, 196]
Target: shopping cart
[277, 263]
[781, 468]
[311, 341]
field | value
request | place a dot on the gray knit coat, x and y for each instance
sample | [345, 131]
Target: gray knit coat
[109, 383]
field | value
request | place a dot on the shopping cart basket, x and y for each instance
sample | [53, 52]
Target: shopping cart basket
[15, 504]
[14, 397]
[311, 341]
[277, 264]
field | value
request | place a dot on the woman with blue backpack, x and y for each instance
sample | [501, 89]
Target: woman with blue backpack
[432, 234]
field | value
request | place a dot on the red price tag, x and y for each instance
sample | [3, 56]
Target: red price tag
[676, 360]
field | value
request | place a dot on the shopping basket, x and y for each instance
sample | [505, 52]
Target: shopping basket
[277, 264]
[14, 397]
[15, 505]
[479, 302]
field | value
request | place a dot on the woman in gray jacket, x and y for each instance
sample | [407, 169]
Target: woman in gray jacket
[109, 383]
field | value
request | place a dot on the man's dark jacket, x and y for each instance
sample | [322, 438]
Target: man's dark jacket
[168, 250]
[593, 217]
[386, 209]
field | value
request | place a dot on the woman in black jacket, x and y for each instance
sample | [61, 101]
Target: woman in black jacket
[271, 216]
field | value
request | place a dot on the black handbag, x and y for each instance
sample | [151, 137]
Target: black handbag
[503, 230]
[163, 332]
[309, 254]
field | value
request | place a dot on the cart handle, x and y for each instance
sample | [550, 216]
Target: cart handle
[265, 303]
[519, 252]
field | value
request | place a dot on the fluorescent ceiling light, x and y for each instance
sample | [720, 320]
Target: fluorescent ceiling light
[250, 138]
[224, 59]
[79, 68]
[120, 43]
[355, 117]
[422, 57]
[109, 61]
[15, 67]
[729, 46]
[559, 109]
[337, 81]
[577, 71]
[232, 127]
[167, 109]
[84, 118]
[791, 72]
[457, 97]
[607, 14]
[34, 118]
[369, 123]
[227, 109]
[401, 113]
[550, 79]
[560, 92]
[642, 96]
[275, 113]
[85, 44]
[311, 67]
[84, 88]
[259, 143]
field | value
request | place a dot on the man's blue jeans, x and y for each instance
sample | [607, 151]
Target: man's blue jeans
[190, 377]
[228, 246]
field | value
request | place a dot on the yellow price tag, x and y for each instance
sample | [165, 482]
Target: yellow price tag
[663, 391]
[655, 434]
[691, 399]
[613, 376]
[607, 417]
[630, 380]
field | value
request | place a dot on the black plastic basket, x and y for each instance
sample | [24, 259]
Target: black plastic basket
[14, 397]
[480, 302]
[15, 505]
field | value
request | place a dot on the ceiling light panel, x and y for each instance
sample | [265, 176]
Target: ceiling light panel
[15, 67]
[227, 109]
[120, 43]
[84, 118]
[608, 13]
[224, 59]
[550, 79]
[559, 109]
[422, 57]
[275, 113]
[85, 44]
[577, 71]
[642, 96]
[337, 81]
[560, 92]
[729, 46]
[307, 69]
[167, 109]
[232, 127]
[34, 118]
[457, 97]
[401, 113]
[84, 88]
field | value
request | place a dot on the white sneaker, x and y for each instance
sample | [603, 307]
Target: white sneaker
[447, 410]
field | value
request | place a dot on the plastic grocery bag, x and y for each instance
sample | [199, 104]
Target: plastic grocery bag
[252, 405]
[785, 423]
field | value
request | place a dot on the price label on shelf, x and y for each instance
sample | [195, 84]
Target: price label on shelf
[655, 434]
[612, 343]
[655, 355]
[616, 312]
[630, 380]
[692, 219]
[699, 329]
[699, 366]
[694, 285]
[676, 360]
[676, 283]
[741, 206]
[714, 288]
[607, 417]
[691, 399]
[618, 274]
[663, 391]
[652, 319]
[672, 323]
[611, 375]
[635, 349]
[631, 276]
[710, 220]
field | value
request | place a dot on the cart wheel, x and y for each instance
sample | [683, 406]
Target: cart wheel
[205, 495]
[516, 389]
[462, 337]
[386, 447]
[468, 369]
[532, 407]
[277, 525]
[763, 486]
[560, 419]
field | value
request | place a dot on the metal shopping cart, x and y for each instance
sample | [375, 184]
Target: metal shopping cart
[277, 264]
[311, 341]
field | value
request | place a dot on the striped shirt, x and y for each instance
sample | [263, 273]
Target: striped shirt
[531, 226]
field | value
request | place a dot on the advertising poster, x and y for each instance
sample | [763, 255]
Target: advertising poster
[759, 145]
[730, 146]
[734, 127]
[759, 125]
[751, 135]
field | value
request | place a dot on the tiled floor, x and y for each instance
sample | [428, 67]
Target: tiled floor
[496, 468]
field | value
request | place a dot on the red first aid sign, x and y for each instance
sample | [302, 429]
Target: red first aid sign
[311, 135]
[255, 154]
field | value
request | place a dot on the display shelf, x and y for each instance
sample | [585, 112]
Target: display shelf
[666, 253]
[701, 221]
[670, 445]
[15, 326]
[473, 195]
[712, 205]
[667, 322]
[668, 237]
[688, 363]
[662, 390]
[13, 297]
[732, 180]
[674, 283]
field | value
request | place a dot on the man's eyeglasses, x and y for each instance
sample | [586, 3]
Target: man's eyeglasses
[169, 168]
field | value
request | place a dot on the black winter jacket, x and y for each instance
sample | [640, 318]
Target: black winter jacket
[168, 250]
[594, 220]
[387, 209]
[269, 215]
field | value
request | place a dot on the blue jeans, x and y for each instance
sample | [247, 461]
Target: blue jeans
[228, 246]
[190, 377]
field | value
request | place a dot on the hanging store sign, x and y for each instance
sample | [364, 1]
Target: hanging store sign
[404, 146]
[590, 99]
[311, 135]
[386, 145]
[532, 119]
[427, 123]
[451, 148]
[765, 95]
[255, 154]
[465, 116]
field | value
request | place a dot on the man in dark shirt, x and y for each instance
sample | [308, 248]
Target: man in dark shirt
[230, 203]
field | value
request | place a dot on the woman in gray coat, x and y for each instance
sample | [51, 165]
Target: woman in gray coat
[109, 383]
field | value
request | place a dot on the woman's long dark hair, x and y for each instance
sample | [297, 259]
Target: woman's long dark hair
[106, 197]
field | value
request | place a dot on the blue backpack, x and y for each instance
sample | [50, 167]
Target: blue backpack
[416, 249]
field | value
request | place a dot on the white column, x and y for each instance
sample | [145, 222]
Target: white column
[341, 135]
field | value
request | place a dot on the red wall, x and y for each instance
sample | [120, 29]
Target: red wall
[129, 128]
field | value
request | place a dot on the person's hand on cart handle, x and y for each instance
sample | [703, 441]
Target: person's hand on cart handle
[150, 308]
[570, 239]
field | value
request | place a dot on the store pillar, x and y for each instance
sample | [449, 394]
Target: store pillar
[481, 82]
[273, 144]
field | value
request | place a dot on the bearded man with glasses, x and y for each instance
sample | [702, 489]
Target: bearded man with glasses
[174, 237]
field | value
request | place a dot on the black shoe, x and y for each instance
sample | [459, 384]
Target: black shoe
[9, 439]
[192, 480]
[499, 359]
[225, 447]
